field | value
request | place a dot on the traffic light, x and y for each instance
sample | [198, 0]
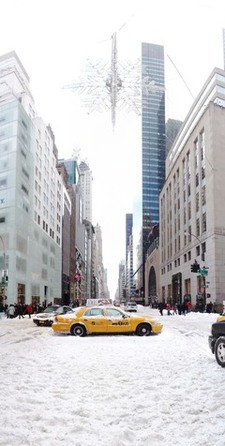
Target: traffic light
[195, 267]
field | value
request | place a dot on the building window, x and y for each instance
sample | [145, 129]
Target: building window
[188, 166]
[203, 196]
[189, 234]
[184, 172]
[204, 248]
[197, 227]
[197, 180]
[3, 183]
[24, 189]
[24, 124]
[197, 202]
[203, 173]
[185, 217]
[202, 145]
[204, 222]
[25, 172]
[189, 210]
[196, 153]
[189, 255]
[23, 153]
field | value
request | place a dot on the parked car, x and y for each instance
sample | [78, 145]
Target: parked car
[217, 340]
[105, 319]
[130, 306]
[46, 318]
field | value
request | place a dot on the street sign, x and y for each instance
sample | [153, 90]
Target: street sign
[203, 272]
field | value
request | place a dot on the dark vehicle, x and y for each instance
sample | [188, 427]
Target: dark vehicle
[217, 341]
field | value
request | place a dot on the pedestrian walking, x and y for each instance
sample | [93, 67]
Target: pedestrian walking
[20, 311]
[168, 307]
[11, 311]
[29, 310]
[161, 308]
[184, 308]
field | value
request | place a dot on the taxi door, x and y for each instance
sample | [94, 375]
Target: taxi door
[95, 321]
[116, 322]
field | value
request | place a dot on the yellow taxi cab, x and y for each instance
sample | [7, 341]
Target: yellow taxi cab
[105, 319]
[221, 318]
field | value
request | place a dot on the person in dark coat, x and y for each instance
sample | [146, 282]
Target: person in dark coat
[161, 308]
[184, 308]
[19, 311]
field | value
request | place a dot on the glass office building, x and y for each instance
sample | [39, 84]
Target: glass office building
[153, 135]
[153, 139]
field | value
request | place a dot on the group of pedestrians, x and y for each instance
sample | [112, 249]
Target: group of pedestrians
[182, 308]
[18, 310]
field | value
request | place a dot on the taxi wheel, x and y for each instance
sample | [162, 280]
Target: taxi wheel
[78, 330]
[220, 351]
[143, 330]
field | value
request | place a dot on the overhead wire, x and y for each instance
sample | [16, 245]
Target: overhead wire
[185, 83]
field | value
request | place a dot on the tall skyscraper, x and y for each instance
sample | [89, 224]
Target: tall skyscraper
[153, 144]
[86, 188]
[129, 255]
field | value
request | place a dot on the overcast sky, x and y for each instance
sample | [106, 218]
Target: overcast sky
[54, 39]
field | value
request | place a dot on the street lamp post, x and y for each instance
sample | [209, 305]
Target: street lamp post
[203, 259]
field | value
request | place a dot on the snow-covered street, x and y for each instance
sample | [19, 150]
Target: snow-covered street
[111, 390]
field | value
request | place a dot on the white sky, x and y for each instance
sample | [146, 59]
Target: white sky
[59, 390]
[53, 40]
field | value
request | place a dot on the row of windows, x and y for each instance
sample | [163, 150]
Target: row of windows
[186, 162]
[186, 258]
[37, 219]
[174, 248]
[47, 137]
[198, 204]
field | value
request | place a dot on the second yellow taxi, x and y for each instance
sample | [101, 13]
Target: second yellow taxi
[105, 319]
